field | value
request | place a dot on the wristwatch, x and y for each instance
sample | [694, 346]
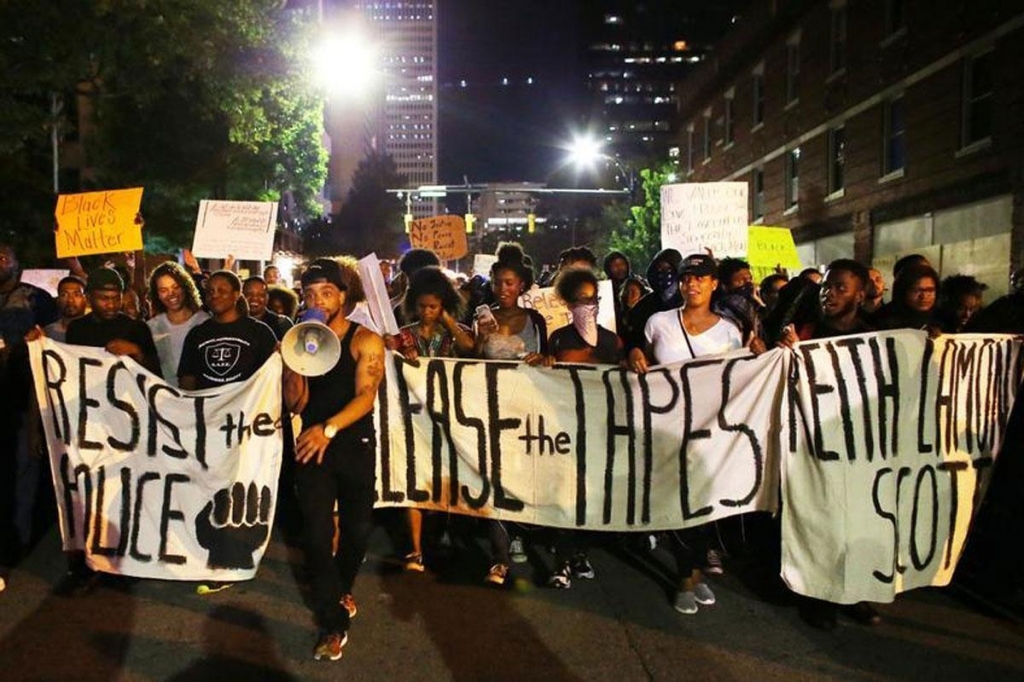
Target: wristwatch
[330, 430]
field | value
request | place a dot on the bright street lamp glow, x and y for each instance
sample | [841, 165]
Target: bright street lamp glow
[585, 151]
[345, 65]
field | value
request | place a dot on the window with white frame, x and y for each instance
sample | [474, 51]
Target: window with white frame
[793, 68]
[757, 193]
[836, 159]
[978, 99]
[837, 37]
[730, 116]
[894, 126]
[792, 177]
[757, 76]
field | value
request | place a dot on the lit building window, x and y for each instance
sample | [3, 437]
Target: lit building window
[792, 177]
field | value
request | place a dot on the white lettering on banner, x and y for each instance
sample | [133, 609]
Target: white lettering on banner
[152, 481]
[581, 445]
[890, 440]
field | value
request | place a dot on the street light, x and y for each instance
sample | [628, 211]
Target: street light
[585, 151]
[345, 65]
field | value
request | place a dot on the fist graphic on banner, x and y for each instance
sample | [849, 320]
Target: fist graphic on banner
[234, 524]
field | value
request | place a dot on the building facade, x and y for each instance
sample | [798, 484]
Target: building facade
[872, 128]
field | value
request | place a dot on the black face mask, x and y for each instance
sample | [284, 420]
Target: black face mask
[747, 290]
[665, 281]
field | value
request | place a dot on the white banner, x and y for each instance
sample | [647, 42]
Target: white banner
[151, 481]
[243, 229]
[889, 441]
[705, 215]
[583, 445]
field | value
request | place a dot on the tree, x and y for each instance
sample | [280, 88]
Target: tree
[188, 98]
[370, 220]
[640, 239]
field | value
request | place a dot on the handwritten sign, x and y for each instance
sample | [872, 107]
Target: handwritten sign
[705, 215]
[771, 246]
[556, 313]
[482, 263]
[98, 222]
[243, 229]
[445, 235]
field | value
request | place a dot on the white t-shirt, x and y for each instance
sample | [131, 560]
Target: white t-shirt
[664, 332]
[169, 339]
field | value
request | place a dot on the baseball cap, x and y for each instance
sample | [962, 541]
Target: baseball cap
[699, 264]
[323, 271]
[105, 279]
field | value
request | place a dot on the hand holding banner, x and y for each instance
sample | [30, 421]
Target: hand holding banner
[98, 222]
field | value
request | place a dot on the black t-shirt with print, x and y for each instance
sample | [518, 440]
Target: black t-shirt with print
[218, 353]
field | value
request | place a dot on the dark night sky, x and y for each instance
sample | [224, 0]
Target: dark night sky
[491, 132]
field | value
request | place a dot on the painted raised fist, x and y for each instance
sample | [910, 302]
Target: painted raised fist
[234, 525]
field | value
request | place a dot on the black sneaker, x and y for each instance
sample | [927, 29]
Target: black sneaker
[581, 567]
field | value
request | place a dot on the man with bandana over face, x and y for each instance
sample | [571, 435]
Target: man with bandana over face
[662, 274]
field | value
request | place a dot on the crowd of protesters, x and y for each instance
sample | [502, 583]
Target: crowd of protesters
[681, 308]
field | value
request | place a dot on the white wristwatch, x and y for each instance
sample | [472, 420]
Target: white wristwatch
[330, 430]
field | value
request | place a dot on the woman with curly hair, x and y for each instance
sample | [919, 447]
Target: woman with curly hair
[178, 308]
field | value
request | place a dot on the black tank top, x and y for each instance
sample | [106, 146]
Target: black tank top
[330, 392]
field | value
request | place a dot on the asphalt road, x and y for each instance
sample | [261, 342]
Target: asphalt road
[446, 625]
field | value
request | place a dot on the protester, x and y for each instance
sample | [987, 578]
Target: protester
[230, 346]
[663, 277]
[734, 275]
[272, 276]
[577, 257]
[633, 289]
[71, 303]
[411, 261]
[688, 332]
[913, 299]
[432, 301]
[769, 291]
[617, 269]
[583, 341]
[907, 261]
[282, 301]
[811, 274]
[1005, 315]
[336, 450]
[960, 298]
[508, 331]
[109, 328]
[875, 296]
[257, 295]
[22, 307]
[178, 308]
[842, 294]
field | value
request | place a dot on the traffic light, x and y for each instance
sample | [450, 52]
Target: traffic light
[408, 222]
[531, 222]
[470, 221]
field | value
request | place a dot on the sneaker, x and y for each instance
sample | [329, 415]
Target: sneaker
[703, 595]
[349, 602]
[686, 602]
[77, 582]
[329, 646]
[864, 613]
[212, 587]
[414, 563]
[714, 563]
[581, 567]
[516, 551]
[561, 579]
[497, 575]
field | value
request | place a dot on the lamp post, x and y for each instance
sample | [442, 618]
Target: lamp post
[585, 151]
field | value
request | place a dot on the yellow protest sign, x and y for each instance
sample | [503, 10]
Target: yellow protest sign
[445, 235]
[98, 222]
[768, 247]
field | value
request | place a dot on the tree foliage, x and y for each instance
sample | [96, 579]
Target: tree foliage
[370, 220]
[640, 238]
[188, 98]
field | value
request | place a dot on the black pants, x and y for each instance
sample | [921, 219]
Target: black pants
[346, 476]
[690, 547]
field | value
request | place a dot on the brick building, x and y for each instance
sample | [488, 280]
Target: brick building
[871, 128]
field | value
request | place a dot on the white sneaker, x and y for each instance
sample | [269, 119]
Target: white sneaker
[686, 602]
[703, 595]
[714, 563]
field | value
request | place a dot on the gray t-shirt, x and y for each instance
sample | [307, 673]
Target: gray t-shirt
[169, 339]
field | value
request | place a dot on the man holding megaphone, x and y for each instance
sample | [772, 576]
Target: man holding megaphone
[336, 448]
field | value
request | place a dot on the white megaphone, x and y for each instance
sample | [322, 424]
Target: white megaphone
[310, 348]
